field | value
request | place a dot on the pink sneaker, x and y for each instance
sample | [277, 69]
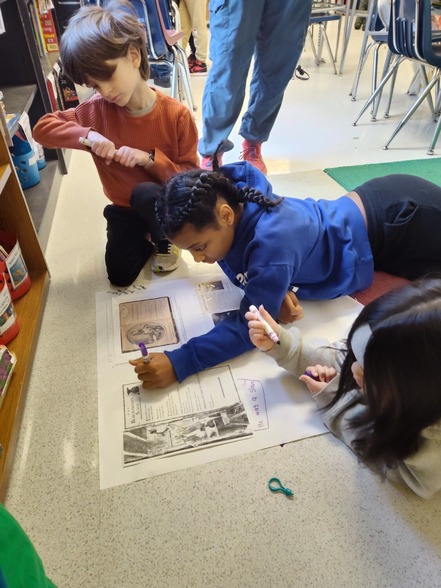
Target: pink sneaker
[207, 162]
[198, 68]
[191, 59]
[252, 154]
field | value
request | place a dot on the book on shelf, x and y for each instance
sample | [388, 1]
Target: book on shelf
[49, 32]
[67, 87]
[12, 121]
[43, 26]
[36, 27]
[62, 91]
[56, 69]
[4, 127]
[7, 364]
[52, 88]
[8, 125]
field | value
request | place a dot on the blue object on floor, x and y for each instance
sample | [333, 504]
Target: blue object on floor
[275, 485]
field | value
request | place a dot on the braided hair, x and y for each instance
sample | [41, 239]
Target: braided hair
[190, 198]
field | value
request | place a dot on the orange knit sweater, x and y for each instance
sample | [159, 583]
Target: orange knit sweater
[168, 130]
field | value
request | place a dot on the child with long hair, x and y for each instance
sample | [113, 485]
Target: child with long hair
[272, 247]
[138, 137]
[380, 391]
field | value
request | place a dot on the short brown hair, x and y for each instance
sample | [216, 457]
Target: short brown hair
[96, 34]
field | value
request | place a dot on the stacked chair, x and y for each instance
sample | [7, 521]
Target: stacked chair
[160, 19]
[351, 12]
[429, 50]
[410, 36]
[322, 14]
[375, 38]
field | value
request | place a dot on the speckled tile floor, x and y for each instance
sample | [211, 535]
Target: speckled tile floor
[214, 525]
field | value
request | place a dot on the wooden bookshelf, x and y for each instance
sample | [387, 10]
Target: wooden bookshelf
[15, 217]
[23, 73]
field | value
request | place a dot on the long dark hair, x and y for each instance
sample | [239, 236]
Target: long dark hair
[190, 198]
[402, 372]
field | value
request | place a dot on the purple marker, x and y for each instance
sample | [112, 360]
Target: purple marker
[311, 375]
[144, 352]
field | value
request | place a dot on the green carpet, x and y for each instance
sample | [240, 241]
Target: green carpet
[352, 176]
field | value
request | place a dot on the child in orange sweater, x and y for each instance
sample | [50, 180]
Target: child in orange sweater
[138, 137]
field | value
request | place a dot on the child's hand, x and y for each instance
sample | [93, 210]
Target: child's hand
[257, 333]
[157, 373]
[130, 157]
[290, 310]
[317, 377]
[102, 146]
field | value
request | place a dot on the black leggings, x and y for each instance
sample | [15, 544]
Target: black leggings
[130, 232]
[404, 224]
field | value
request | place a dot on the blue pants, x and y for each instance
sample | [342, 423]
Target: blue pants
[274, 31]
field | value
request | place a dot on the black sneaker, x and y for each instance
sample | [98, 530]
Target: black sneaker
[360, 23]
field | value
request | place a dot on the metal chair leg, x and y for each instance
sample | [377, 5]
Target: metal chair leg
[386, 66]
[360, 67]
[185, 75]
[325, 40]
[374, 79]
[431, 149]
[351, 6]
[363, 50]
[391, 93]
[426, 83]
[313, 49]
[379, 88]
[187, 89]
[174, 80]
[411, 111]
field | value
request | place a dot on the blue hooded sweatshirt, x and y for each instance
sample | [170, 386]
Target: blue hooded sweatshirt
[319, 249]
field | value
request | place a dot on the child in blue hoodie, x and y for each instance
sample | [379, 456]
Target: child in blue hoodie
[272, 247]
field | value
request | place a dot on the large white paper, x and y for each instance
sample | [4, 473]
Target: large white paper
[245, 405]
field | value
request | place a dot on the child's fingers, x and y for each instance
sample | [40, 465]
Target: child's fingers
[297, 313]
[321, 373]
[260, 339]
[312, 373]
[136, 361]
[313, 385]
[258, 335]
[258, 329]
[266, 315]
[253, 323]
[290, 310]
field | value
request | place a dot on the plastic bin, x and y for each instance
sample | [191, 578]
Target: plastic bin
[25, 161]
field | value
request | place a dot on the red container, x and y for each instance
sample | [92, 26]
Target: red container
[13, 266]
[9, 326]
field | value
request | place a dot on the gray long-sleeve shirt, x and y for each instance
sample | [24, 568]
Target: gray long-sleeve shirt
[420, 471]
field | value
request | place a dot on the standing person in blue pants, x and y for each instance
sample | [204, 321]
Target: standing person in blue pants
[274, 32]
